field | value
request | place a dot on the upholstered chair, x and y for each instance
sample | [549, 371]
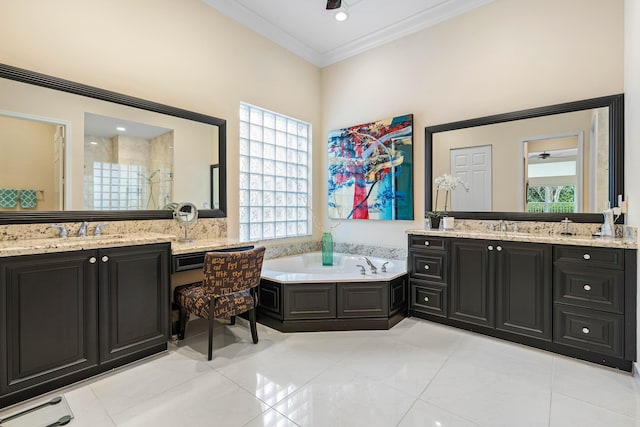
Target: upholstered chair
[228, 289]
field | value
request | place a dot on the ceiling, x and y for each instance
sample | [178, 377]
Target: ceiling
[310, 31]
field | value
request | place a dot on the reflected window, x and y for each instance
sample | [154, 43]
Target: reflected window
[275, 166]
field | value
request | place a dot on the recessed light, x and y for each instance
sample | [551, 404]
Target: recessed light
[93, 143]
[341, 15]
[121, 129]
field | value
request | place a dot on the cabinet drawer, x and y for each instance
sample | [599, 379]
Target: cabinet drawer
[431, 266]
[598, 288]
[429, 298]
[427, 242]
[589, 329]
[588, 256]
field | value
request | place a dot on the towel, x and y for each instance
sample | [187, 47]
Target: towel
[8, 198]
[28, 199]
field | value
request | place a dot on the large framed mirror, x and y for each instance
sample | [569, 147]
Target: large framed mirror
[74, 152]
[541, 164]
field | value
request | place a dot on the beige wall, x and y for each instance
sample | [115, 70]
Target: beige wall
[177, 52]
[505, 56]
[26, 159]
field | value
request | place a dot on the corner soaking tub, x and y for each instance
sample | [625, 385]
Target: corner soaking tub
[298, 293]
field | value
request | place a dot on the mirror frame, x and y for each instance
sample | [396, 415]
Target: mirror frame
[616, 156]
[50, 82]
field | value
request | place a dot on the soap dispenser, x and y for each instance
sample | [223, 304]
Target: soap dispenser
[607, 228]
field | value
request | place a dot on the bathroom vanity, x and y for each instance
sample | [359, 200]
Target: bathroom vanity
[573, 296]
[70, 314]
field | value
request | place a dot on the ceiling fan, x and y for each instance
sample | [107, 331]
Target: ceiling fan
[334, 4]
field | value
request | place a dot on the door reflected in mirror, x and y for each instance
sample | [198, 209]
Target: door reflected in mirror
[556, 163]
[127, 165]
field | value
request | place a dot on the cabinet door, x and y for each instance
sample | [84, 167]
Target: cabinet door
[471, 297]
[134, 299]
[363, 300]
[523, 289]
[48, 327]
[309, 301]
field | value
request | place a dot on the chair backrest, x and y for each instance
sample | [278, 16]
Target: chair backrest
[229, 272]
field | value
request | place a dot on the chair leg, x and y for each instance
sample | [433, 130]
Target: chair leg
[210, 352]
[182, 323]
[252, 322]
[233, 320]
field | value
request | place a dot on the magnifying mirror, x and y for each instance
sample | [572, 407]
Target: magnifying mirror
[185, 214]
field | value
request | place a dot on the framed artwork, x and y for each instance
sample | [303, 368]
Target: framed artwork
[371, 170]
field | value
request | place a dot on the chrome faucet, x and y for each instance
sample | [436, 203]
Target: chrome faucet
[374, 269]
[63, 232]
[362, 270]
[98, 229]
[384, 267]
[503, 226]
[82, 231]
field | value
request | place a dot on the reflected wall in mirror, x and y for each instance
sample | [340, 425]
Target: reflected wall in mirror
[556, 161]
[97, 174]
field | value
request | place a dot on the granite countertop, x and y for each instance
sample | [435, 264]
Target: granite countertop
[576, 240]
[57, 244]
[204, 245]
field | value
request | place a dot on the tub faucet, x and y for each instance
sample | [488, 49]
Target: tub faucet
[373, 268]
[82, 231]
[384, 267]
[362, 270]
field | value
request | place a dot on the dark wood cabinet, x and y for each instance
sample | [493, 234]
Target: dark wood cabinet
[471, 296]
[523, 289]
[134, 295]
[71, 315]
[49, 324]
[573, 300]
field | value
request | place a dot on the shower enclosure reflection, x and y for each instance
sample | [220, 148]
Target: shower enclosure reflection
[127, 165]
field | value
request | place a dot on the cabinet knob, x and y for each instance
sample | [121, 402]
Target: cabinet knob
[426, 299]
[92, 260]
[587, 287]
[585, 330]
[426, 267]
[490, 247]
[105, 258]
[498, 248]
[586, 256]
[426, 243]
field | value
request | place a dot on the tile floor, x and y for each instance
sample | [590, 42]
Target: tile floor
[417, 374]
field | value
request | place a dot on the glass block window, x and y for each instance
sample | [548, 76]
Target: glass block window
[118, 186]
[275, 167]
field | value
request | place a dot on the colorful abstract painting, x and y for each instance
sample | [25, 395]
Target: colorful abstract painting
[371, 170]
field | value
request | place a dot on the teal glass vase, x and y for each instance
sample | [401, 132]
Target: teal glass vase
[327, 249]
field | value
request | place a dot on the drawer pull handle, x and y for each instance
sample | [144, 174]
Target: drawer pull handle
[426, 299]
[585, 330]
[426, 243]
[105, 258]
[490, 247]
[587, 287]
[586, 256]
[426, 267]
[498, 248]
[92, 260]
